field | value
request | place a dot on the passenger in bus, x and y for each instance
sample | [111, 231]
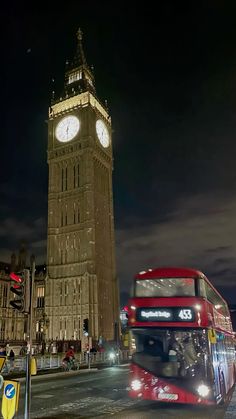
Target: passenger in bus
[190, 354]
[153, 346]
[189, 349]
[176, 348]
[172, 355]
[176, 353]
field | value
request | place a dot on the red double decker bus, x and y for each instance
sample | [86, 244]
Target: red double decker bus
[183, 342]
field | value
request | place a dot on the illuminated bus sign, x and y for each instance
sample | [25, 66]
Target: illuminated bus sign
[165, 314]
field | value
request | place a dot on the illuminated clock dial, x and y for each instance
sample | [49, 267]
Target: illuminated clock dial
[102, 133]
[67, 128]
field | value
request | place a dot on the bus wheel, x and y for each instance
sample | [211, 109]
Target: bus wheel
[222, 390]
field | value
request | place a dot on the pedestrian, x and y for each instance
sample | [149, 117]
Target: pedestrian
[11, 358]
[3, 351]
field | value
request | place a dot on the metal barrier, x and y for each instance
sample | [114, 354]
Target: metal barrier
[54, 361]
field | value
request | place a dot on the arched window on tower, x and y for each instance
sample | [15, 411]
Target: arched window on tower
[66, 172]
[60, 293]
[65, 334]
[78, 215]
[25, 327]
[78, 176]
[62, 218]
[74, 176]
[74, 211]
[4, 302]
[74, 294]
[66, 216]
[2, 329]
[75, 329]
[40, 297]
[13, 324]
[61, 331]
[66, 293]
[62, 179]
[79, 292]
[79, 326]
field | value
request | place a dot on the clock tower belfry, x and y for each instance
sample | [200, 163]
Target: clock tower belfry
[81, 282]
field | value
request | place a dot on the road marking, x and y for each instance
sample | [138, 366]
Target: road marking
[44, 396]
[114, 406]
[101, 405]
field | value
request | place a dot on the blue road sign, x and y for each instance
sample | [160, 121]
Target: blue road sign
[9, 391]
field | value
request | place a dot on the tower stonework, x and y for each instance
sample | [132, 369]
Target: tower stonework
[81, 277]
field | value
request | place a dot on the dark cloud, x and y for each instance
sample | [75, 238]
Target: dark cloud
[14, 232]
[205, 241]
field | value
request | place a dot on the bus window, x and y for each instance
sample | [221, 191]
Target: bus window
[202, 288]
[172, 353]
[165, 287]
[215, 299]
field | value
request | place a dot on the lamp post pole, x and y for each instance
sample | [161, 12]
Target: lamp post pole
[29, 346]
[44, 323]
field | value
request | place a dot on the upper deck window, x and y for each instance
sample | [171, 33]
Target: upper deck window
[165, 287]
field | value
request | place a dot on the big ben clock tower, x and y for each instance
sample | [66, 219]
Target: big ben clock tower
[81, 282]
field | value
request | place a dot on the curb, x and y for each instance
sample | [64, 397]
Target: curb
[56, 374]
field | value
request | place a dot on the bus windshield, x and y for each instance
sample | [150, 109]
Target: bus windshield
[172, 353]
[165, 287]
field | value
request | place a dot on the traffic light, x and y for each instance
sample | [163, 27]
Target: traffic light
[21, 289]
[86, 327]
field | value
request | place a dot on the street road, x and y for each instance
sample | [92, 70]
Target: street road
[101, 393]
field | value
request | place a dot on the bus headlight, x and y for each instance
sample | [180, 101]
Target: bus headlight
[136, 385]
[203, 390]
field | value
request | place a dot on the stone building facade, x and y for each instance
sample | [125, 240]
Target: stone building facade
[13, 324]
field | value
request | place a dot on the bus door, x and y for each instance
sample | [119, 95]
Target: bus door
[218, 361]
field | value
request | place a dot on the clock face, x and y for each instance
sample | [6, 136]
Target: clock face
[67, 128]
[102, 133]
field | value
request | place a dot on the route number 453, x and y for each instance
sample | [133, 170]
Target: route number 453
[185, 314]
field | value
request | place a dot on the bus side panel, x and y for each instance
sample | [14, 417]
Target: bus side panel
[223, 357]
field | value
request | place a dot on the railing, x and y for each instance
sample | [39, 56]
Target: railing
[54, 361]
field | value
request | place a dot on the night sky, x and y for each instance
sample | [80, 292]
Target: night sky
[169, 77]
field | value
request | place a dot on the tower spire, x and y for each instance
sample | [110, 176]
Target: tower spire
[78, 77]
[79, 58]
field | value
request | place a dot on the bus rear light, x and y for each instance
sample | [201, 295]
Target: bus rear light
[136, 385]
[203, 390]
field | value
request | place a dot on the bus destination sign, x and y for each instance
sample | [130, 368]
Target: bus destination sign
[165, 314]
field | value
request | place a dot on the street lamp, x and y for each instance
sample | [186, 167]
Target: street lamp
[44, 324]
